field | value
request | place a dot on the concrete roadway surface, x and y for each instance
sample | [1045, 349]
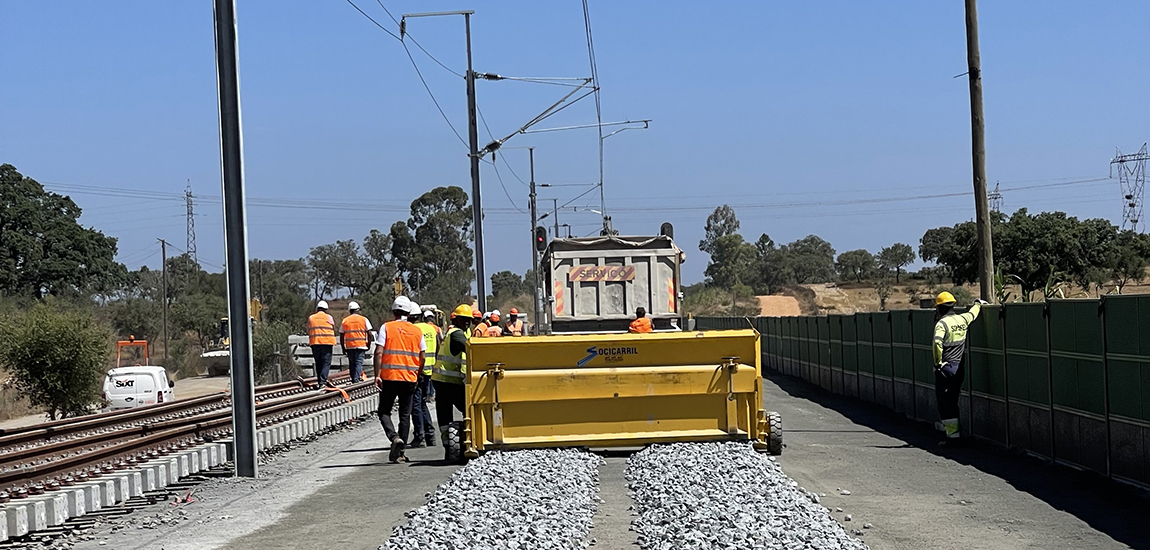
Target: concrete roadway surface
[340, 492]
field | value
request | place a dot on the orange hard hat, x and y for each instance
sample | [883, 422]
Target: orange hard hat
[495, 317]
[513, 312]
[476, 313]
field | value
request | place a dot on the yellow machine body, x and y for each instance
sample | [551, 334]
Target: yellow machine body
[613, 390]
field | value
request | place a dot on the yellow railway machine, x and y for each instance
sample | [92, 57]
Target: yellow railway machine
[615, 390]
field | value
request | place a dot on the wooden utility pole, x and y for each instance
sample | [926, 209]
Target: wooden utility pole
[978, 154]
[164, 271]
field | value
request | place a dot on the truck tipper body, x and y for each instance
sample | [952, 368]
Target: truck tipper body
[595, 284]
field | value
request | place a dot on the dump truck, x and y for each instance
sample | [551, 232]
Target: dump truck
[589, 383]
[595, 284]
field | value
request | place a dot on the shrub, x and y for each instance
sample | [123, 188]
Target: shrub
[57, 358]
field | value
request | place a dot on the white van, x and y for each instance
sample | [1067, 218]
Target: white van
[137, 386]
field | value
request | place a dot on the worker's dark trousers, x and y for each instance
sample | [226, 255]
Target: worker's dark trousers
[421, 417]
[447, 395]
[355, 363]
[946, 390]
[322, 355]
[388, 394]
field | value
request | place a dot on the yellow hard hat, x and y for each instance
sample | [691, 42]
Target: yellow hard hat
[463, 310]
[944, 298]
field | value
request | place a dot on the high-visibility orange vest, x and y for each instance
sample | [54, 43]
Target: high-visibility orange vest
[641, 325]
[494, 331]
[516, 328]
[480, 330]
[320, 330]
[400, 361]
[354, 328]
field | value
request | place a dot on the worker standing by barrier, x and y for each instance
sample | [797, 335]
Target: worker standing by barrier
[321, 340]
[514, 326]
[399, 356]
[424, 431]
[480, 325]
[355, 337]
[450, 371]
[949, 346]
[641, 324]
[494, 330]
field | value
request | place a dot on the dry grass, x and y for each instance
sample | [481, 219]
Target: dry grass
[12, 404]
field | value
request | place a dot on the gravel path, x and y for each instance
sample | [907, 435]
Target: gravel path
[725, 495]
[532, 499]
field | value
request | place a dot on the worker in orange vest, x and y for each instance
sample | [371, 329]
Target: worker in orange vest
[494, 330]
[480, 330]
[641, 324]
[514, 326]
[355, 337]
[321, 340]
[400, 352]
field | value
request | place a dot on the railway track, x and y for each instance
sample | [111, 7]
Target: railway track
[45, 457]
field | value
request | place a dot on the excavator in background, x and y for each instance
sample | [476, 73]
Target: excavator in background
[217, 358]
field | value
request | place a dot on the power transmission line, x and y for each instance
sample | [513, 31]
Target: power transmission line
[1132, 178]
[191, 224]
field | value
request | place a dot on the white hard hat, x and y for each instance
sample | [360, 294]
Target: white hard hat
[496, 312]
[429, 313]
[413, 308]
[322, 304]
[401, 303]
[352, 305]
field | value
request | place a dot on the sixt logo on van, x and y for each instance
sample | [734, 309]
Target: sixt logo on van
[127, 383]
[610, 355]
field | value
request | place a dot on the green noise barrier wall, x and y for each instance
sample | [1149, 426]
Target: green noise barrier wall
[1065, 380]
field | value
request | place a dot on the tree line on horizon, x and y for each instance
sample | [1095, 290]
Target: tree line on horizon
[1045, 255]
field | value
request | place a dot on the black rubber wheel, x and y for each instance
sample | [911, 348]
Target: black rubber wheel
[453, 445]
[775, 435]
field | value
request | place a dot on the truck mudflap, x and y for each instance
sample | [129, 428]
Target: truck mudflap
[614, 390]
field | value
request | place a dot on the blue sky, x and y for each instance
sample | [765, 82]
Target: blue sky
[805, 117]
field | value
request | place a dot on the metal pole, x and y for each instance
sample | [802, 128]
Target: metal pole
[164, 271]
[235, 238]
[476, 202]
[555, 216]
[978, 154]
[535, 291]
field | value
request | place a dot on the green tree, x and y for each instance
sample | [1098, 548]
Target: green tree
[433, 253]
[199, 314]
[855, 264]
[768, 270]
[809, 260]
[721, 223]
[732, 261]
[1128, 260]
[894, 258]
[506, 284]
[338, 265]
[43, 249]
[57, 358]
[138, 317]
[269, 348]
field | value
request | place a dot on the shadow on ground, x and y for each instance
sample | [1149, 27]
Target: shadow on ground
[1121, 511]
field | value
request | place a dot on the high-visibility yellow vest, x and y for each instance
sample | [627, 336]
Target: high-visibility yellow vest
[431, 337]
[449, 367]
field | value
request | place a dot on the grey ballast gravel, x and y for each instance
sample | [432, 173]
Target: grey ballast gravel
[725, 495]
[531, 499]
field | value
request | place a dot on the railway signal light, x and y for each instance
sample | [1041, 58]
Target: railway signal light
[540, 238]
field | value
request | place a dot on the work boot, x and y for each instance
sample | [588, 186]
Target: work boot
[430, 438]
[415, 443]
[396, 450]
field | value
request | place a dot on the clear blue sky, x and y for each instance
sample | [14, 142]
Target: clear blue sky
[769, 107]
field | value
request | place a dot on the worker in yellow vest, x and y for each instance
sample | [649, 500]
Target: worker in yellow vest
[449, 373]
[355, 337]
[321, 340]
[494, 330]
[949, 348]
[514, 326]
[399, 356]
[423, 429]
